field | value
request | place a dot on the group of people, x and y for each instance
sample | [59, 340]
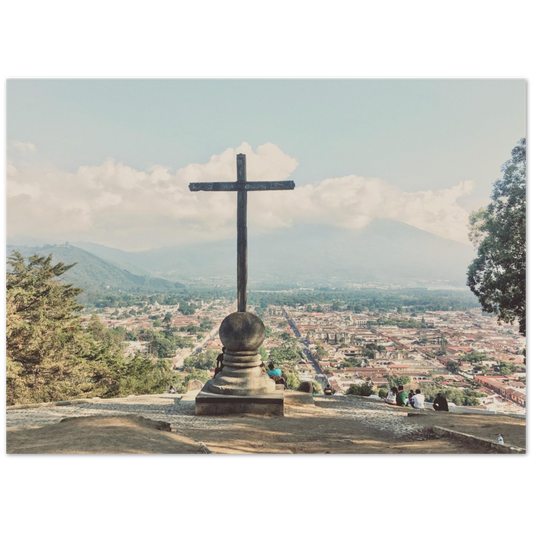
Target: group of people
[415, 399]
[398, 396]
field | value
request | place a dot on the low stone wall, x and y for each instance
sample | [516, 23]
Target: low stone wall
[486, 443]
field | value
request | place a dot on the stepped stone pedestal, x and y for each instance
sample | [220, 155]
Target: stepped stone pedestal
[241, 386]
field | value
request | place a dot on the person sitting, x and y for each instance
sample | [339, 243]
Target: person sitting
[276, 375]
[262, 367]
[328, 391]
[273, 371]
[440, 403]
[171, 390]
[410, 398]
[418, 400]
[220, 364]
[401, 397]
[391, 396]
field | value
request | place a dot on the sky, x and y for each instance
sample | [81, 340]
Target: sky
[109, 161]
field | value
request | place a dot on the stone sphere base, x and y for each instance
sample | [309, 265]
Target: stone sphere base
[242, 334]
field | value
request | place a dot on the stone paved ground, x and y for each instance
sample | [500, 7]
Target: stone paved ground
[169, 408]
[161, 407]
[337, 424]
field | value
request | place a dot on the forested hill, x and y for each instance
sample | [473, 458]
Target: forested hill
[93, 274]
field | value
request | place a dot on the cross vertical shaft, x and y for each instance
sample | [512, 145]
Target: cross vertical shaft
[242, 237]
[241, 187]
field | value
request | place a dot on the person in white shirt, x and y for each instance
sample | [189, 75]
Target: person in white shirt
[391, 396]
[418, 400]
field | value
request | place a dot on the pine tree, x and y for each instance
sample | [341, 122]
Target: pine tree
[50, 356]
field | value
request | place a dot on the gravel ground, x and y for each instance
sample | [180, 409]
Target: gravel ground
[338, 424]
[159, 407]
[374, 415]
[169, 408]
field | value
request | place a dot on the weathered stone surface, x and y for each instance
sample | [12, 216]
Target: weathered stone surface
[222, 404]
[242, 332]
[194, 384]
[306, 386]
[240, 385]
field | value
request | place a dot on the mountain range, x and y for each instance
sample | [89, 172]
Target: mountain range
[95, 274]
[384, 252]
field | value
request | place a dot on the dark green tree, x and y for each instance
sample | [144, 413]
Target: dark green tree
[288, 352]
[50, 356]
[364, 389]
[453, 366]
[144, 376]
[292, 380]
[167, 320]
[320, 352]
[204, 361]
[395, 381]
[497, 276]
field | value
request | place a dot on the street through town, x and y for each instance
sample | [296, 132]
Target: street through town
[319, 376]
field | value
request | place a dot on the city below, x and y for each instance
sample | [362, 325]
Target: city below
[477, 363]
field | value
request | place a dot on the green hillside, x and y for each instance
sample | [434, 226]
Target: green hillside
[95, 275]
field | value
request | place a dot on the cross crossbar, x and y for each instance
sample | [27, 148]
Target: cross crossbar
[241, 186]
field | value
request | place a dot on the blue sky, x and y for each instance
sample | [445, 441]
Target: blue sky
[414, 135]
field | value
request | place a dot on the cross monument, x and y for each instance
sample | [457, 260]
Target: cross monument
[242, 186]
[241, 386]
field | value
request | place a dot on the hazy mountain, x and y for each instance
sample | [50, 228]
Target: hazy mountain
[93, 273]
[114, 256]
[382, 252]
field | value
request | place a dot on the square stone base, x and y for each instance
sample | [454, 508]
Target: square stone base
[211, 404]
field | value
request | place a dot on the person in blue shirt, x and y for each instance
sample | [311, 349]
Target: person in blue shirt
[276, 375]
[273, 371]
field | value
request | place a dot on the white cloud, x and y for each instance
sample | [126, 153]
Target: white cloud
[119, 206]
[354, 201]
[19, 146]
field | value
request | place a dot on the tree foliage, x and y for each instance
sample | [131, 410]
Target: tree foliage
[458, 396]
[497, 276]
[203, 361]
[163, 343]
[50, 355]
[289, 351]
[396, 381]
[363, 389]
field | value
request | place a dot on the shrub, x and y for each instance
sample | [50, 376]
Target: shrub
[364, 389]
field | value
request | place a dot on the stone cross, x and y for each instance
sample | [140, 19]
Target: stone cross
[242, 187]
